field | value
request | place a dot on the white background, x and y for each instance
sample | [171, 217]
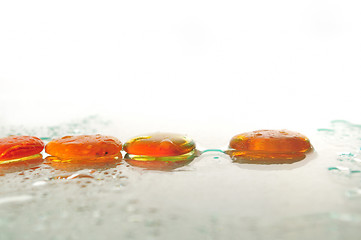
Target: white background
[208, 68]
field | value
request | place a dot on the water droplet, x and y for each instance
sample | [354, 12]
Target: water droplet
[325, 130]
[39, 183]
[344, 170]
[23, 198]
[212, 150]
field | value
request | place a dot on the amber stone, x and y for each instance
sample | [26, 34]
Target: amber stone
[160, 151]
[159, 145]
[17, 147]
[84, 147]
[278, 146]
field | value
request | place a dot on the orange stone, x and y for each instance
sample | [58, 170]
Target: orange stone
[16, 147]
[159, 145]
[84, 147]
[270, 145]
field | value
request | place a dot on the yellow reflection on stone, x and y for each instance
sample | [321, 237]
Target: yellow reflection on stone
[182, 157]
[36, 156]
[75, 164]
[20, 164]
[161, 163]
[264, 158]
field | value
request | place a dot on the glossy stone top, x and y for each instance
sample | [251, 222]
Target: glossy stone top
[159, 145]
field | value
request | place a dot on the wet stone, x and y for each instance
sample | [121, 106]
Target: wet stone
[17, 147]
[159, 145]
[269, 146]
[160, 151]
[84, 147]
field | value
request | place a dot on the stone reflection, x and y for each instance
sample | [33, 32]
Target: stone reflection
[72, 165]
[161, 163]
[21, 164]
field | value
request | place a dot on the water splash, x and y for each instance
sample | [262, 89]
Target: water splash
[343, 170]
[343, 133]
[347, 137]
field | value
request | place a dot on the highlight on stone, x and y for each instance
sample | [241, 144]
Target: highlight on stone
[84, 150]
[160, 151]
[269, 147]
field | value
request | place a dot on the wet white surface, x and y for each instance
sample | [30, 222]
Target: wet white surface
[211, 198]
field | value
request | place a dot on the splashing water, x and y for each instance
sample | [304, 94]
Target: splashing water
[346, 136]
